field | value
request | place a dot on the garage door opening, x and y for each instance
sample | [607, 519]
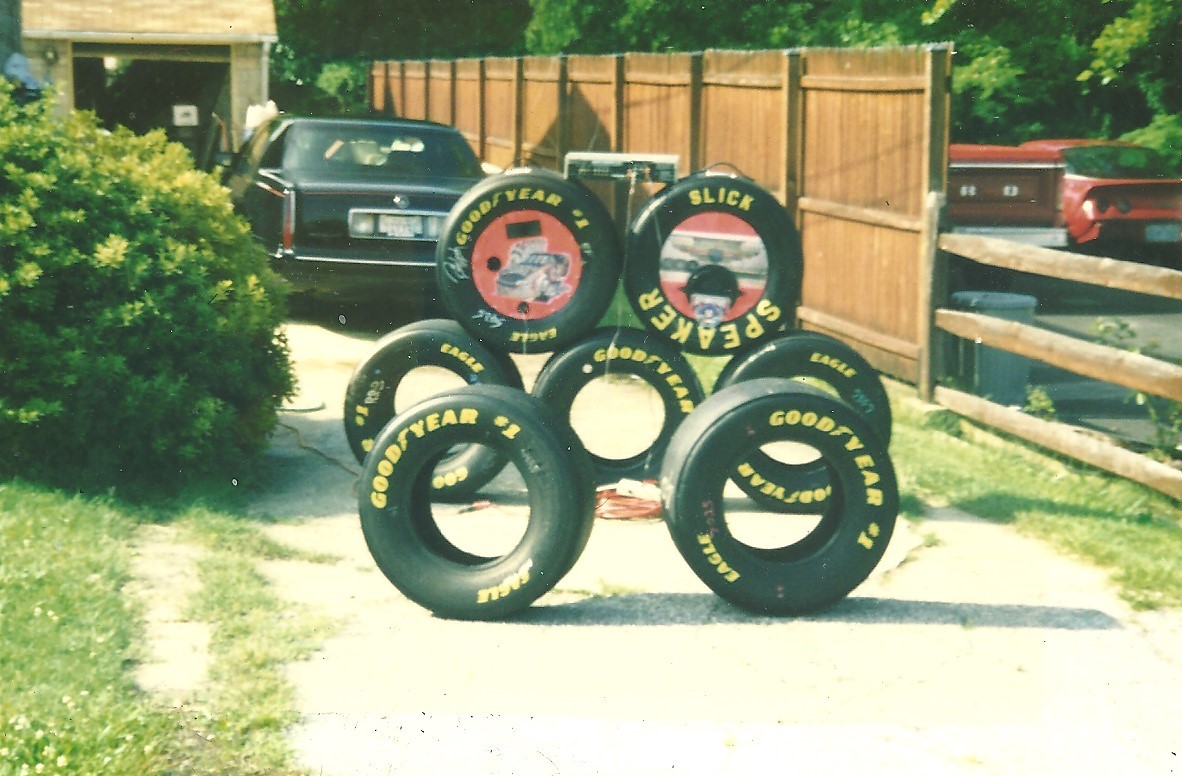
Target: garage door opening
[181, 98]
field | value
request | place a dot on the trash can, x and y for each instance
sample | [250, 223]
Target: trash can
[989, 372]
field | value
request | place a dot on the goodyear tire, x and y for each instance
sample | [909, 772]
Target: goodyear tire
[407, 542]
[528, 261]
[810, 572]
[787, 487]
[714, 265]
[369, 398]
[625, 351]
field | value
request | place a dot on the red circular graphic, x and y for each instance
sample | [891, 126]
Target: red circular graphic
[526, 264]
[713, 267]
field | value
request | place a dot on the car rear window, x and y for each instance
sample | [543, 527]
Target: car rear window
[379, 151]
[1116, 161]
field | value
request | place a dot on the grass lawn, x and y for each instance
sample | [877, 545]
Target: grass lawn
[70, 635]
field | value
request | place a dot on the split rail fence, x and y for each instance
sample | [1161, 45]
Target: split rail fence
[854, 142]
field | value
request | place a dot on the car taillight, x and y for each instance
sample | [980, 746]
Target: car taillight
[289, 211]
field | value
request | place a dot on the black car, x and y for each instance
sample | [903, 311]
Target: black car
[347, 205]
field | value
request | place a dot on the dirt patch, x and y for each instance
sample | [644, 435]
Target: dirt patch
[175, 663]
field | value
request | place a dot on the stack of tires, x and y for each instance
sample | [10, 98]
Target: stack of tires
[528, 262]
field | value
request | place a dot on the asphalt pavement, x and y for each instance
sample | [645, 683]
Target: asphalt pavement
[971, 649]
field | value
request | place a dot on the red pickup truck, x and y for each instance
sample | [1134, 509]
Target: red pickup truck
[1094, 196]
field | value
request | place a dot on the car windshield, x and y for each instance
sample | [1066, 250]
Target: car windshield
[1118, 161]
[388, 152]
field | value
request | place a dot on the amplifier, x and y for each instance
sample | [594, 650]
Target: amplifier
[597, 165]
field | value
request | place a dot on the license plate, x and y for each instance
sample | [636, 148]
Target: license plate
[408, 227]
[1161, 233]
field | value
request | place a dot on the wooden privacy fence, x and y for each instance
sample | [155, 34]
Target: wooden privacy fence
[853, 141]
[1111, 365]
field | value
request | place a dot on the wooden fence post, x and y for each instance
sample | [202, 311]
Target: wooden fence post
[933, 275]
[694, 157]
[482, 109]
[793, 133]
[518, 103]
[563, 112]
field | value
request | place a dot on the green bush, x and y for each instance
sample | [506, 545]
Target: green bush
[139, 344]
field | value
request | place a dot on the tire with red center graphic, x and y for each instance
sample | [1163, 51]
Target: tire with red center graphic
[714, 265]
[528, 261]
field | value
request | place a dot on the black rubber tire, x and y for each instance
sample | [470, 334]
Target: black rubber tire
[786, 487]
[623, 351]
[682, 292]
[843, 548]
[497, 249]
[406, 542]
[369, 398]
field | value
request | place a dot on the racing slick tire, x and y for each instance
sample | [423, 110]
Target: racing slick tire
[528, 261]
[405, 537]
[781, 486]
[369, 398]
[714, 265]
[623, 351]
[814, 568]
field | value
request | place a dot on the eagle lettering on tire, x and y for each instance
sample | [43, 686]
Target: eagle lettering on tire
[406, 536]
[369, 397]
[528, 261]
[833, 551]
[782, 486]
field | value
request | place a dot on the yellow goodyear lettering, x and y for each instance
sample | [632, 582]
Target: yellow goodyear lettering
[507, 585]
[450, 479]
[867, 537]
[509, 429]
[715, 559]
[361, 412]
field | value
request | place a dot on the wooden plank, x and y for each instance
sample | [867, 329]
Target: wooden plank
[933, 284]
[840, 83]
[862, 215]
[1100, 362]
[1063, 439]
[873, 338]
[1098, 271]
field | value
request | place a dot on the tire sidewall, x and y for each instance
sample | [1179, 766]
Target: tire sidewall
[865, 492]
[369, 397]
[396, 516]
[783, 487]
[761, 224]
[623, 351]
[566, 209]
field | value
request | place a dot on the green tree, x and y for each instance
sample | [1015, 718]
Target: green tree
[326, 46]
[1141, 48]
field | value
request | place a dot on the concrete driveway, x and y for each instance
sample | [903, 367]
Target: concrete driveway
[970, 650]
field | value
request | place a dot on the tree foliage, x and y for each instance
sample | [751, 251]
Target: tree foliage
[1023, 68]
[140, 318]
[326, 46]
